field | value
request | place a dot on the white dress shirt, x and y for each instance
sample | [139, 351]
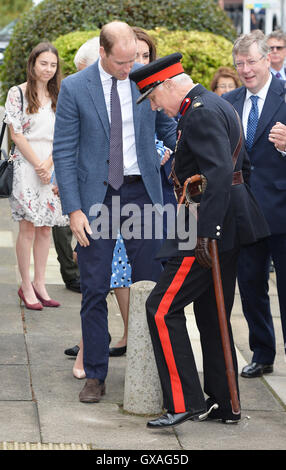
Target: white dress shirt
[260, 103]
[128, 134]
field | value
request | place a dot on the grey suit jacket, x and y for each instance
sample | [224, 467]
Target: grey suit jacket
[81, 141]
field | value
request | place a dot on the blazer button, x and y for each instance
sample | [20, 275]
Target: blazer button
[105, 183]
[107, 161]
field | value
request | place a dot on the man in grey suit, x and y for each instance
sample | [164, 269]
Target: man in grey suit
[104, 151]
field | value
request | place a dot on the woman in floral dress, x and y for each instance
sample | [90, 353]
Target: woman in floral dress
[30, 114]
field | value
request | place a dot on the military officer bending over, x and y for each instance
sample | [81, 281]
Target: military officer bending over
[208, 133]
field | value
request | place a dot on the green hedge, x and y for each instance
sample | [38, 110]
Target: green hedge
[52, 18]
[202, 52]
[68, 46]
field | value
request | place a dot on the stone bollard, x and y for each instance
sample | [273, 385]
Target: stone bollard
[142, 390]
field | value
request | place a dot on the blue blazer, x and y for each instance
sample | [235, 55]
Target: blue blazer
[81, 141]
[268, 166]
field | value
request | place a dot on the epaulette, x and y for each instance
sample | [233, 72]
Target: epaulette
[197, 102]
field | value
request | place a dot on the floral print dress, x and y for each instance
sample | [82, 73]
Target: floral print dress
[31, 199]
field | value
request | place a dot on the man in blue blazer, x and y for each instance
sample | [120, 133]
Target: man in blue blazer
[268, 183]
[88, 126]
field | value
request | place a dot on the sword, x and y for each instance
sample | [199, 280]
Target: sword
[193, 186]
[224, 328]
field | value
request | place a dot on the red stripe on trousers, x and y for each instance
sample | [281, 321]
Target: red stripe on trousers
[180, 276]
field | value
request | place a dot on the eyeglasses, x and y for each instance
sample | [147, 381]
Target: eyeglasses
[225, 86]
[278, 48]
[250, 63]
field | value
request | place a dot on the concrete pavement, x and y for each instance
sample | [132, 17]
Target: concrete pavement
[39, 406]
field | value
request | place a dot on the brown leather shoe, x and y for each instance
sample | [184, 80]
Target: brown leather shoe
[92, 391]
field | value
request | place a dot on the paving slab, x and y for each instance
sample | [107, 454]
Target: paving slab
[7, 256]
[6, 237]
[53, 322]
[9, 296]
[255, 396]
[46, 350]
[264, 430]
[56, 382]
[15, 383]
[19, 421]
[13, 349]
[278, 386]
[8, 275]
[11, 321]
[103, 424]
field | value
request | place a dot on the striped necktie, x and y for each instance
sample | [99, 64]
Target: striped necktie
[115, 173]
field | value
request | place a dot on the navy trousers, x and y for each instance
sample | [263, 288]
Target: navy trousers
[95, 272]
[253, 278]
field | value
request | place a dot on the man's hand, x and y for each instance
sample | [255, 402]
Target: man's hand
[277, 136]
[79, 226]
[166, 157]
[202, 253]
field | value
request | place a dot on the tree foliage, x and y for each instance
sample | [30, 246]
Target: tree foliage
[9, 10]
[52, 18]
[203, 53]
[68, 45]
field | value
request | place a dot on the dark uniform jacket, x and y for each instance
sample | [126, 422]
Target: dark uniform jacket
[208, 133]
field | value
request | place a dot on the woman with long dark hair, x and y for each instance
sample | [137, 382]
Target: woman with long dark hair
[30, 114]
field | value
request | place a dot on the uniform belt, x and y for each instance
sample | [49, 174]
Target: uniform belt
[128, 179]
[196, 188]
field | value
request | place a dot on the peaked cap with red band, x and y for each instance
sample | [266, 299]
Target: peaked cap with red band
[151, 75]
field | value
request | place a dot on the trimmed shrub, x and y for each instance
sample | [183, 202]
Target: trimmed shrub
[68, 46]
[203, 53]
[52, 18]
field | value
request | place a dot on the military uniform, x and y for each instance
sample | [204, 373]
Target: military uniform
[208, 133]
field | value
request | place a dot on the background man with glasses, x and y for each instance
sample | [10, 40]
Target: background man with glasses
[277, 44]
[261, 105]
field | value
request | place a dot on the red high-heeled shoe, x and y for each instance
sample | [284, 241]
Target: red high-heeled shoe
[37, 306]
[45, 302]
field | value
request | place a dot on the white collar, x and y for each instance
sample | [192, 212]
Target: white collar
[105, 76]
[262, 92]
[281, 71]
